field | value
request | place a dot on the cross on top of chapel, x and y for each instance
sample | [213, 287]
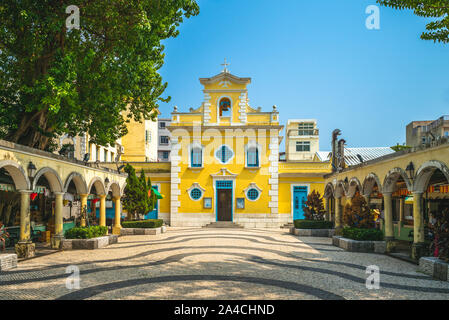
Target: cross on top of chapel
[225, 64]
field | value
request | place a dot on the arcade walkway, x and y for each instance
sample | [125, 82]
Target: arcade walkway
[187, 263]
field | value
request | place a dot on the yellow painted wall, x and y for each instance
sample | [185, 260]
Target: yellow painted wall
[189, 176]
[285, 190]
[134, 142]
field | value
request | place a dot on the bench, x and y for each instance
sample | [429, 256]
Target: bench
[14, 235]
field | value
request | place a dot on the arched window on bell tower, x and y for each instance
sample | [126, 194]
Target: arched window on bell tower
[225, 107]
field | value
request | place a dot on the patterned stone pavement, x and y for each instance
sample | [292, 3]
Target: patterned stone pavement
[193, 263]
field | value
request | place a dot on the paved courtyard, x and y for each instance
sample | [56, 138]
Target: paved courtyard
[193, 263]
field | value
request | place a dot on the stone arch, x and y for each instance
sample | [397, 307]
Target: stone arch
[114, 187]
[353, 185]
[392, 177]
[52, 177]
[78, 180]
[369, 182]
[231, 102]
[340, 189]
[99, 186]
[329, 190]
[17, 174]
[122, 190]
[425, 172]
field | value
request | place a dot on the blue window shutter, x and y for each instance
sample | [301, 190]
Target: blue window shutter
[196, 157]
[253, 157]
[257, 157]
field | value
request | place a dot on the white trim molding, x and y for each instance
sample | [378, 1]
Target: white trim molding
[218, 108]
[196, 185]
[292, 187]
[219, 149]
[253, 143]
[189, 155]
[252, 185]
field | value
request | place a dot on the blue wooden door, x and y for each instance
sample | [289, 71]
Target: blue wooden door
[299, 200]
[153, 214]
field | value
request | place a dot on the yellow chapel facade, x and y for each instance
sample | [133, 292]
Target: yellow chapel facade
[225, 163]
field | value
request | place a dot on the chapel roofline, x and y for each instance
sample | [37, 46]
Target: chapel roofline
[225, 75]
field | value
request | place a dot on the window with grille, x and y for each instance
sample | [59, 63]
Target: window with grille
[196, 193]
[224, 154]
[197, 157]
[303, 146]
[224, 184]
[253, 156]
[164, 139]
[147, 136]
[162, 125]
[253, 194]
[305, 129]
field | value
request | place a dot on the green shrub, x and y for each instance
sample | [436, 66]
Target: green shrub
[150, 223]
[362, 234]
[86, 232]
[313, 224]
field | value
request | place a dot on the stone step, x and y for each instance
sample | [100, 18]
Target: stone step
[223, 224]
[287, 225]
[404, 256]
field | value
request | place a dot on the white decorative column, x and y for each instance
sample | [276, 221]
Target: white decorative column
[175, 181]
[273, 171]
[206, 108]
[242, 107]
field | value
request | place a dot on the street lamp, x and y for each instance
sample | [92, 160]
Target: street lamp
[31, 170]
[410, 170]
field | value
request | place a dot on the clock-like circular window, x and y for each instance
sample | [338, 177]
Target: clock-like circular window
[253, 194]
[196, 193]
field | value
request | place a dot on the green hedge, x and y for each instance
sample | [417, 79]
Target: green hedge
[313, 224]
[362, 234]
[150, 223]
[86, 232]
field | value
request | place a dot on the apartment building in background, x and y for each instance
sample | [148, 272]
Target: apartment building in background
[425, 132]
[302, 140]
[164, 145]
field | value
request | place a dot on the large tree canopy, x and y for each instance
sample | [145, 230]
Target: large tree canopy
[55, 81]
[438, 29]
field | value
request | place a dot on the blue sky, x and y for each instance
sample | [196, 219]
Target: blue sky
[315, 59]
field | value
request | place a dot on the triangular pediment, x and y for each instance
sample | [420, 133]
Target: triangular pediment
[224, 172]
[225, 76]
